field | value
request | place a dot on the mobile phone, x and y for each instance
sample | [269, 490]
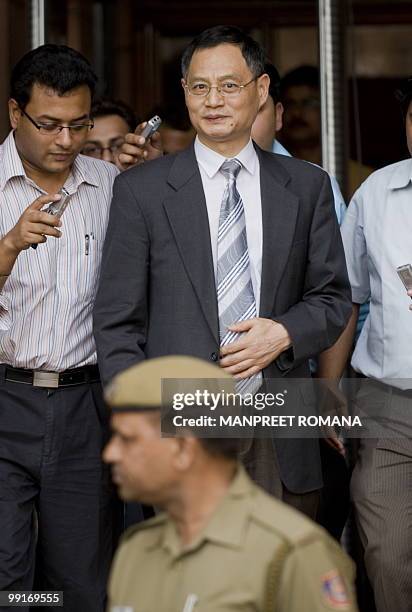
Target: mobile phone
[405, 274]
[57, 208]
[151, 127]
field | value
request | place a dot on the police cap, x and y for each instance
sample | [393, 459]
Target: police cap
[139, 388]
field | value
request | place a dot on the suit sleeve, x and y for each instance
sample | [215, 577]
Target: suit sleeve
[120, 312]
[317, 320]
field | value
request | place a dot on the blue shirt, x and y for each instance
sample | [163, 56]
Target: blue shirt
[376, 238]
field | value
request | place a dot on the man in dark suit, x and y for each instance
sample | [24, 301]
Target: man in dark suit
[200, 242]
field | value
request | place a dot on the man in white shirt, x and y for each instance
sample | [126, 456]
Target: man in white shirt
[53, 421]
[376, 235]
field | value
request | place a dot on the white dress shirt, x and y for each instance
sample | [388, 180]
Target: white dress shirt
[46, 303]
[377, 237]
[248, 186]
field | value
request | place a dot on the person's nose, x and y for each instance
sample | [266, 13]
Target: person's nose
[107, 155]
[64, 138]
[109, 452]
[214, 98]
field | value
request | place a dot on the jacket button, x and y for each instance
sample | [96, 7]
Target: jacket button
[214, 356]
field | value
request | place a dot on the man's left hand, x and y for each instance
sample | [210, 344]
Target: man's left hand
[262, 343]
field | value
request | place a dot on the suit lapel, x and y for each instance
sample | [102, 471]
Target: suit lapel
[279, 212]
[187, 213]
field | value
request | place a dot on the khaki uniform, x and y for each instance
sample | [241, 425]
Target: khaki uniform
[256, 554]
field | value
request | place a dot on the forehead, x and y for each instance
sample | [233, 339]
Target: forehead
[139, 423]
[47, 101]
[109, 125]
[223, 60]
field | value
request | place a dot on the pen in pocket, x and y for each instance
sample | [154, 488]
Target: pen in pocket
[190, 603]
[87, 239]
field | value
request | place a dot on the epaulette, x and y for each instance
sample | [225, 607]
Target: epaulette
[287, 523]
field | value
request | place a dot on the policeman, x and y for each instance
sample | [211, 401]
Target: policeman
[222, 543]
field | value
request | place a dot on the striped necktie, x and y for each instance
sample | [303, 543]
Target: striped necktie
[235, 297]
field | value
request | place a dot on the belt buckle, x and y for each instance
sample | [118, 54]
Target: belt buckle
[46, 379]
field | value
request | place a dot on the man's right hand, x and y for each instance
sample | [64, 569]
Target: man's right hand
[136, 149]
[34, 226]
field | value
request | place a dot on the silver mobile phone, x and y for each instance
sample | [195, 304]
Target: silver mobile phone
[405, 274]
[57, 208]
[151, 127]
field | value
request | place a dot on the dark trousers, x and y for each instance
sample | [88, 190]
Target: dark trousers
[381, 489]
[260, 461]
[382, 494]
[55, 493]
[334, 500]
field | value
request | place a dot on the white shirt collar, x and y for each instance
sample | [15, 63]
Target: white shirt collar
[212, 161]
[402, 176]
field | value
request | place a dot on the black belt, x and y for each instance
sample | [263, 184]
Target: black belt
[53, 380]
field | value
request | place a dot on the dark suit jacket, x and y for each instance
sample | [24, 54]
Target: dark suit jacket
[157, 292]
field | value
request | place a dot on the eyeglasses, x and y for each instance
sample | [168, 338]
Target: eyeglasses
[94, 150]
[50, 129]
[227, 88]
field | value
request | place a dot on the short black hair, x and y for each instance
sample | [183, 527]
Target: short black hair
[303, 75]
[219, 35]
[106, 106]
[274, 85]
[404, 95]
[57, 67]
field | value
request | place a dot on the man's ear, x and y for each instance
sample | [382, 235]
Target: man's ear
[278, 116]
[186, 452]
[14, 113]
[263, 88]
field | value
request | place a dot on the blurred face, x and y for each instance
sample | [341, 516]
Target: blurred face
[267, 123]
[48, 154]
[223, 123]
[143, 463]
[301, 119]
[408, 124]
[106, 138]
[175, 140]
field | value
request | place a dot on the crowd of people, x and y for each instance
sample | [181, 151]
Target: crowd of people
[211, 252]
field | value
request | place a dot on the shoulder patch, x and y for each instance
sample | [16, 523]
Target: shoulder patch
[334, 591]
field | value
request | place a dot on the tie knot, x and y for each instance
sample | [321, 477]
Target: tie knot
[230, 168]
